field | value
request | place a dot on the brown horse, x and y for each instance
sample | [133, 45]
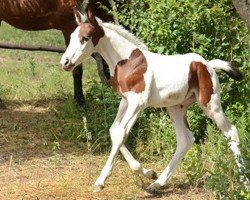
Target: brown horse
[51, 14]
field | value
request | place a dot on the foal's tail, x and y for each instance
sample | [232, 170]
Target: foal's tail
[229, 68]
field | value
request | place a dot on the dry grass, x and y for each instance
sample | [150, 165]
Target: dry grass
[33, 167]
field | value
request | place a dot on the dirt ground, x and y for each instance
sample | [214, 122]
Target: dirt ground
[35, 163]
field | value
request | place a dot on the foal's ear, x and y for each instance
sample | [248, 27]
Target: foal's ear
[79, 17]
[91, 16]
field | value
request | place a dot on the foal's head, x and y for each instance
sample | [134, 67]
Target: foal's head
[83, 40]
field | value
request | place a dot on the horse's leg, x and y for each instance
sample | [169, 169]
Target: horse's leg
[1, 101]
[133, 163]
[78, 93]
[103, 72]
[77, 72]
[215, 112]
[185, 140]
[102, 68]
[119, 131]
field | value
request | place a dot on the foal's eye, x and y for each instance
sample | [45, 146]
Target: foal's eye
[85, 39]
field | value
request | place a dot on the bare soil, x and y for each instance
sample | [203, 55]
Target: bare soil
[37, 163]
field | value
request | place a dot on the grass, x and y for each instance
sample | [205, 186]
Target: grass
[43, 135]
[35, 74]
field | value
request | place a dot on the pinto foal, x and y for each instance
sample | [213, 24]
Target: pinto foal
[144, 79]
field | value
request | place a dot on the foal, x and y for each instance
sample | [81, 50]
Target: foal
[144, 79]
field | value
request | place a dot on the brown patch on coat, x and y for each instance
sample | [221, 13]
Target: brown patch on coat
[200, 79]
[129, 73]
[88, 30]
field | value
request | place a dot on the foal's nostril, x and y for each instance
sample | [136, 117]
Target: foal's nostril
[67, 62]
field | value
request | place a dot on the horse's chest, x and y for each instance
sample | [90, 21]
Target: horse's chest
[129, 73]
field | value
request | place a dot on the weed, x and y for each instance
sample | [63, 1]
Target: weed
[56, 159]
[32, 66]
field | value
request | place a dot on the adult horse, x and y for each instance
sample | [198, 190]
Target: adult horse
[34, 15]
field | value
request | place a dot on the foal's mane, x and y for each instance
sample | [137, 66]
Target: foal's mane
[126, 34]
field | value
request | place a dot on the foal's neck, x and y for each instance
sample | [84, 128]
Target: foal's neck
[114, 48]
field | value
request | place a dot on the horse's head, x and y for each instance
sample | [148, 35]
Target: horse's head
[83, 40]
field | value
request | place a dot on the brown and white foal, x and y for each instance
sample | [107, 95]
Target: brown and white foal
[144, 79]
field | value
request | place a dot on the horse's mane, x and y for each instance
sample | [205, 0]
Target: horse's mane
[126, 34]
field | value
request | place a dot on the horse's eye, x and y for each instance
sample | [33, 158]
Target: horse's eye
[85, 39]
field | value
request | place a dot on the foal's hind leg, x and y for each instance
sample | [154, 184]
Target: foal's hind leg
[185, 140]
[215, 112]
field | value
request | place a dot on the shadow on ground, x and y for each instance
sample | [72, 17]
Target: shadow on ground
[32, 129]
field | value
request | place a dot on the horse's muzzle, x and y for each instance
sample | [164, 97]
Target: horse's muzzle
[67, 65]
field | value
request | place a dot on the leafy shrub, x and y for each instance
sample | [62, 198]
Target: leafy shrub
[169, 26]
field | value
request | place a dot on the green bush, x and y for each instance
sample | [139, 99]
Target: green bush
[210, 28]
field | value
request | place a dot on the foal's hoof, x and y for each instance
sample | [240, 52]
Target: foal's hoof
[98, 188]
[154, 188]
[151, 174]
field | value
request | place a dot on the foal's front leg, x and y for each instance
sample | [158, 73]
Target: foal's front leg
[118, 133]
[135, 165]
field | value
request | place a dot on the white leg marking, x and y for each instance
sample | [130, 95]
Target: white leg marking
[135, 165]
[185, 140]
[117, 137]
[215, 112]
[118, 132]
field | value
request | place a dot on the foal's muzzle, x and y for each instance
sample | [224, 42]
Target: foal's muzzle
[67, 65]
